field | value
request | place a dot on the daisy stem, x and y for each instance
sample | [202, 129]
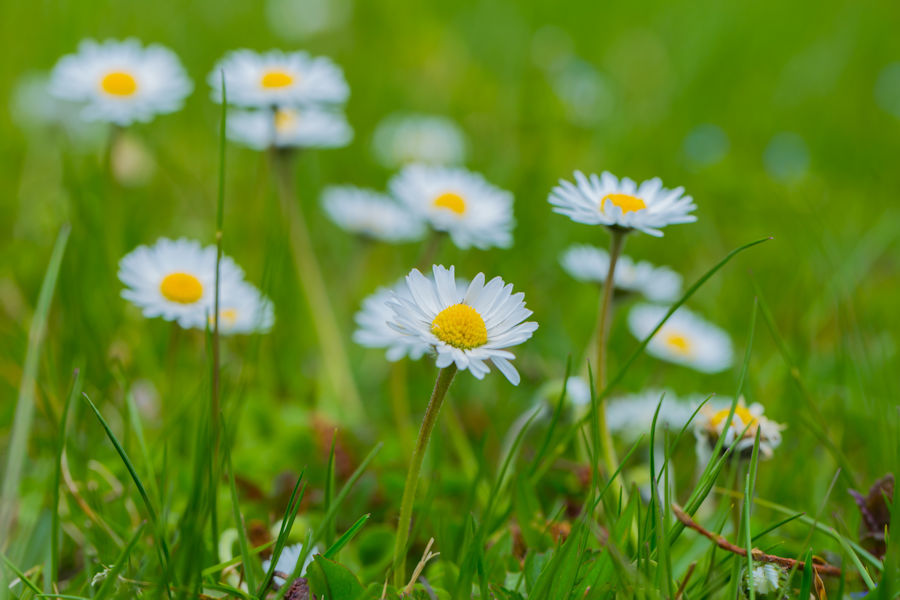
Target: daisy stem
[336, 363]
[606, 444]
[445, 376]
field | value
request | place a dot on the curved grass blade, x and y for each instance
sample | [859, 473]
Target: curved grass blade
[109, 584]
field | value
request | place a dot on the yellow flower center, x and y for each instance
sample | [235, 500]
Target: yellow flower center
[461, 326]
[740, 412]
[227, 316]
[276, 79]
[678, 342]
[119, 83]
[452, 202]
[183, 288]
[285, 119]
[626, 202]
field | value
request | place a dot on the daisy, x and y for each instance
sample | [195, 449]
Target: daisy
[373, 322]
[175, 280]
[710, 426]
[405, 139]
[632, 416]
[588, 263]
[121, 82]
[308, 127]
[621, 203]
[370, 214]
[243, 309]
[684, 339]
[464, 329]
[767, 578]
[276, 78]
[464, 204]
[287, 561]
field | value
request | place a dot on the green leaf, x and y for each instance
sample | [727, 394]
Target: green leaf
[333, 581]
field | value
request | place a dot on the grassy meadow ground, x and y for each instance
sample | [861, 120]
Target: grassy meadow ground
[804, 98]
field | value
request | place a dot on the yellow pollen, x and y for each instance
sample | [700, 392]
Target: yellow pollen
[284, 119]
[183, 288]
[740, 412]
[461, 326]
[227, 316]
[678, 343]
[626, 202]
[119, 83]
[276, 79]
[452, 202]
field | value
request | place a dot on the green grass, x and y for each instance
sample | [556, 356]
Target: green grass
[124, 494]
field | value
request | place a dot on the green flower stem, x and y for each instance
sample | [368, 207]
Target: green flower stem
[606, 444]
[445, 376]
[334, 353]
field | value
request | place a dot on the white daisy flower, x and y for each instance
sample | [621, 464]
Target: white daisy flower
[287, 561]
[243, 309]
[632, 416]
[621, 203]
[405, 139]
[591, 264]
[373, 328]
[175, 280]
[462, 203]
[710, 426]
[370, 214]
[121, 81]
[767, 578]
[307, 127]
[685, 339]
[466, 329]
[276, 78]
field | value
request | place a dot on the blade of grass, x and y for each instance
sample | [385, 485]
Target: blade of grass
[74, 391]
[24, 578]
[109, 584]
[329, 491]
[24, 415]
[348, 535]
[287, 523]
[249, 571]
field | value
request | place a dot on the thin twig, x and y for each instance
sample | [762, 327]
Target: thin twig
[758, 555]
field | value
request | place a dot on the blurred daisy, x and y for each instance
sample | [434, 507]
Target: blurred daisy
[175, 280]
[621, 203]
[404, 139]
[710, 426]
[287, 561]
[767, 578]
[370, 214]
[632, 416]
[243, 309]
[588, 263]
[685, 339]
[276, 79]
[466, 329]
[462, 203]
[308, 127]
[121, 81]
[578, 393]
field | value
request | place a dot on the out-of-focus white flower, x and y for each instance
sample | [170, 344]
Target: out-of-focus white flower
[466, 329]
[685, 339]
[589, 263]
[288, 561]
[404, 139]
[632, 415]
[710, 426]
[278, 79]
[243, 309]
[471, 210]
[370, 214]
[286, 127]
[121, 82]
[621, 203]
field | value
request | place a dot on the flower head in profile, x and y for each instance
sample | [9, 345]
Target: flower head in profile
[591, 264]
[685, 339]
[710, 426]
[243, 309]
[471, 210]
[121, 82]
[370, 214]
[287, 561]
[278, 79]
[621, 203]
[373, 329]
[404, 139]
[288, 127]
[469, 329]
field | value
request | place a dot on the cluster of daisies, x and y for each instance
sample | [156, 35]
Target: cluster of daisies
[281, 99]
[175, 280]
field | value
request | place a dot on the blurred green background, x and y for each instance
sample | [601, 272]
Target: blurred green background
[780, 119]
